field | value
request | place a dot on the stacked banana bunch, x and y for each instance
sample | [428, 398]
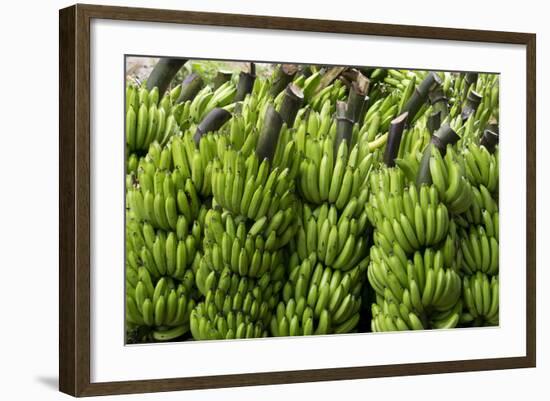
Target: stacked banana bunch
[248, 228]
[168, 196]
[479, 238]
[320, 200]
[434, 262]
[412, 265]
[329, 253]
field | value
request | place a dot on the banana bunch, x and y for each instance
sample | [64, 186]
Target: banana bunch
[479, 250]
[379, 115]
[389, 180]
[481, 298]
[309, 84]
[315, 124]
[239, 275]
[132, 261]
[452, 181]
[254, 105]
[165, 253]
[195, 161]
[479, 240]
[318, 98]
[482, 202]
[165, 307]
[414, 261]
[413, 218]
[479, 101]
[248, 188]
[319, 300]
[192, 111]
[337, 239]
[207, 323]
[235, 306]
[426, 285]
[242, 134]
[416, 139]
[296, 319]
[481, 167]
[484, 91]
[270, 284]
[165, 199]
[132, 162]
[391, 316]
[229, 243]
[182, 154]
[490, 223]
[401, 79]
[325, 177]
[148, 119]
[208, 99]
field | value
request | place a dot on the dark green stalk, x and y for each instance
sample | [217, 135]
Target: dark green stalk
[221, 78]
[439, 102]
[245, 85]
[472, 103]
[283, 76]
[344, 125]
[434, 121]
[443, 137]
[269, 135]
[163, 73]
[305, 70]
[470, 79]
[395, 134]
[212, 122]
[493, 126]
[357, 97]
[190, 86]
[489, 139]
[292, 101]
[420, 95]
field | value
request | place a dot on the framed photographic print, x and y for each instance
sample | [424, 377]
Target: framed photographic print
[251, 200]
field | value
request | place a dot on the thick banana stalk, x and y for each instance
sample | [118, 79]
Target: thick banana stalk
[163, 73]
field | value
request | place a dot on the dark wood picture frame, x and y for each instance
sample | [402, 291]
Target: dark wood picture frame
[74, 199]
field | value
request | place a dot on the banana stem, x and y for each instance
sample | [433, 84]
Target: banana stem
[305, 70]
[443, 137]
[434, 121]
[420, 95]
[269, 135]
[472, 103]
[283, 76]
[163, 73]
[212, 122]
[357, 97]
[489, 139]
[344, 125]
[470, 78]
[394, 138]
[246, 83]
[221, 77]
[292, 101]
[439, 102]
[190, 86]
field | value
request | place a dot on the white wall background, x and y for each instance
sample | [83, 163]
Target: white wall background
[28, 197]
